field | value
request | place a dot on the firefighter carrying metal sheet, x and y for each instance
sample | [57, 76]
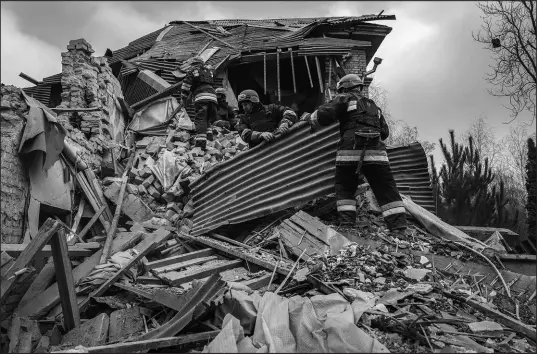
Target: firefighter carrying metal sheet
[361, 148]
[226, 117]
[261, 123]
[199, 82]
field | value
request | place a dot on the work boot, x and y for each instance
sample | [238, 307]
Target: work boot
[201, 142]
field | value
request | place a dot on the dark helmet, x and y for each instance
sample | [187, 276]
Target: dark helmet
[248, 95]
[349, 81]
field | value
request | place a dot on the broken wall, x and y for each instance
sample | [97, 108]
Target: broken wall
[91, 111]
[14, 179]
[355, 63]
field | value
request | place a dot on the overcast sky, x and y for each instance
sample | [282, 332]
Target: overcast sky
[432, 68]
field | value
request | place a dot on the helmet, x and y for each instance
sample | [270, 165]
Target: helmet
[220, 90]
[348, 81]
[197, 60]
[248, 95]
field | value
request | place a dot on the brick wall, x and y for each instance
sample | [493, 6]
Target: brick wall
[88, 82]
[14, 178]
[355, 63]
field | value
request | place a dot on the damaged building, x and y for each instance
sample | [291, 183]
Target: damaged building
[118, 234]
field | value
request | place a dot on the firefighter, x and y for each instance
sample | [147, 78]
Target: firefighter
[261, 123]
[199, 82]
[226, 117]
[363, 130]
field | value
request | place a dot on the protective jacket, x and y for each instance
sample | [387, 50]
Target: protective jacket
[199, 80]
[226, 114]
[263, 118]
[361, 149]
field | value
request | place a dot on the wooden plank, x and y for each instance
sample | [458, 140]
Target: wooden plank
[78, 250]
[188, 275]
[98, 192]
[319, 74]
[92, 199]
[50, 297]
[167, 299]
[149, 244]
[78, 216]
[184, 264]
[134, 290]
[145, 345]
[258, 283]
[49, 228]
[112, 231]
[210, 35]
[518, 257]
[149, 280]
[40, 284]
[229, 240]
[90, 223]
[508, 321]
[5, 258]
[240, 253]
[180, 258]
[65, 281]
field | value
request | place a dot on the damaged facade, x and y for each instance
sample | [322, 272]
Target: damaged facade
[189, 246]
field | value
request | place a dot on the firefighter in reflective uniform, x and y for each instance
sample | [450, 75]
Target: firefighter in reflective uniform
[361, 148]
[199, 82]
[261, 123]
[225, 115]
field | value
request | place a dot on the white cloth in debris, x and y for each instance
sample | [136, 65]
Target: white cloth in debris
[166, 169]
[103, 272]
[322, 323]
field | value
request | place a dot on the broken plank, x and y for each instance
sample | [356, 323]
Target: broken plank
[78, 216]
[240, 253]
[178, 278]
[40, 284]
[150, 243]
[78, 250]
[169, 300]
[258, 283]
[145, 345]
[95, 204]
[149, 280]
[134, 290]
[6, 258]
[91, 222]
[49, 228]
[50, 297]
[180, 258]
[506, 320]
[184, 264]
[65, 281]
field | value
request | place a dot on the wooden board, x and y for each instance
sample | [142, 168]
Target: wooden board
[40, 284]
[145, 345]
[79, 250]
[185, 264]
[180, 258]
[65, 281]
[237, 252]
[258, 283]
[49, 228]
[146, 246]
[50, 297]
[178, 278]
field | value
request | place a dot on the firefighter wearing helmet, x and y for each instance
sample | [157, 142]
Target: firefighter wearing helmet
[260, 123]
[225, 115]
[361, 149]
[199, 82]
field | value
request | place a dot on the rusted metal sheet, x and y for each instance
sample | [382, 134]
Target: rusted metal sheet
[292, 169]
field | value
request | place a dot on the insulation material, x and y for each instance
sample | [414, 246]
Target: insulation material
[322, 323]
[154, 115]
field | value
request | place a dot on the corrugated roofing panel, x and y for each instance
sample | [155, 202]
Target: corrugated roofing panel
[294, 169]
[40, 93]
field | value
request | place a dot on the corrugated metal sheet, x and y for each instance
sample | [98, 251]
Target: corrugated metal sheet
[296, 168]
[40, 93]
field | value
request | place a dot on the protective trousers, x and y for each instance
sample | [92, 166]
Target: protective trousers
[205, 116]
[380, 178]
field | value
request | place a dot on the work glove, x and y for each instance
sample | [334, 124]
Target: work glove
[267, 136]
[284, 129]
[222, 124]
[305, 117]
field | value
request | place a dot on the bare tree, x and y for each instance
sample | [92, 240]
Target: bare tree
[484, 139]
[509, 31]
